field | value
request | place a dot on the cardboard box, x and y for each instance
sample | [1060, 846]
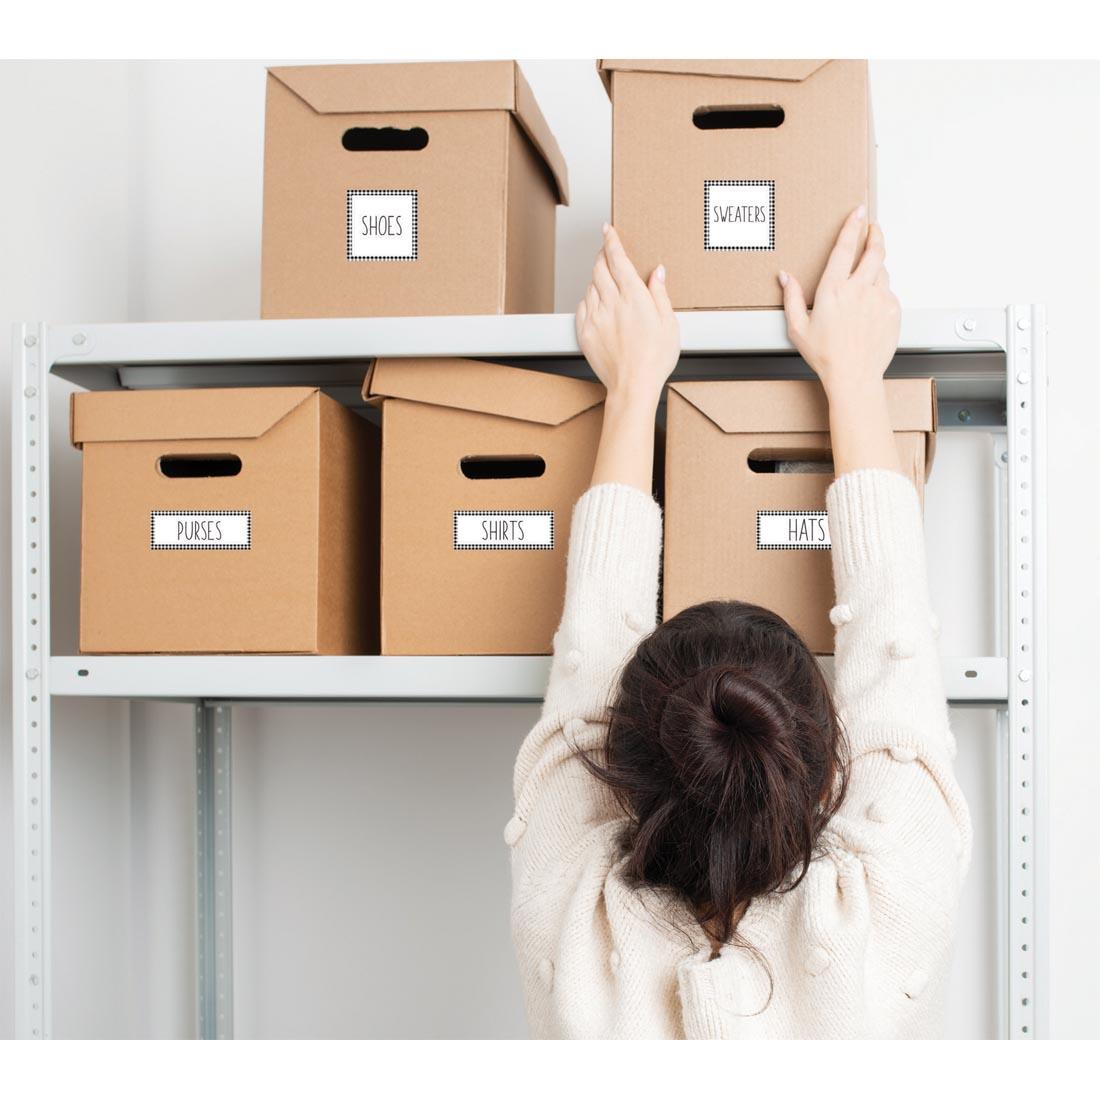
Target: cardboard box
[395, 190]
[739, 523]
[728, 171]
[226, 521]
[481, 467]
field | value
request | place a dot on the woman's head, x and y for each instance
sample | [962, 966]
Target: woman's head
[725, 750]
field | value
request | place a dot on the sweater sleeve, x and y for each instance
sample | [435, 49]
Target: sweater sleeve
[610, 604]
[904, 817]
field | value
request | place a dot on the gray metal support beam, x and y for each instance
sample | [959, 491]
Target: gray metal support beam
[30, 443]
[214, 864]
[1028, 734]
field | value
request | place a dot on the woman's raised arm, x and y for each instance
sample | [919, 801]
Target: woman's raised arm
[904, 817]
[630, 337]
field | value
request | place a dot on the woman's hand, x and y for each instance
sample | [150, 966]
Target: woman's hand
[626, 327]
[848, 339]
[852, 333]
[631, 339]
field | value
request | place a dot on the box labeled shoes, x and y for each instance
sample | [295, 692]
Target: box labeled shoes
[407, 189]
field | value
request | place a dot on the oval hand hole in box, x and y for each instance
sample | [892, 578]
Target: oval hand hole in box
[766, 116]
[771, 460]
[199, 465]
[384, 139]
[499, 467]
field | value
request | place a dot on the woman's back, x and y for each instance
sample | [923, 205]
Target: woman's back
[861, 946]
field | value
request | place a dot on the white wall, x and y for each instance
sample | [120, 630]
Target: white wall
[371, 877]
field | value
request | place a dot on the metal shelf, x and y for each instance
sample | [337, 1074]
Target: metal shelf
[967, 680]
[990, 369]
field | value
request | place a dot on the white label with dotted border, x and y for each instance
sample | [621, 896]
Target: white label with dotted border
[382, 225]
[496, 530]
[739, 215]
[214, 530]
[792, 531]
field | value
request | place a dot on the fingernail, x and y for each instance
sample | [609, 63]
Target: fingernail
[861, 211]
[660, 272]
[784, 278]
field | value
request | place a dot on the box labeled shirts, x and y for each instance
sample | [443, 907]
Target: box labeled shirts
[407, 189]
[728, 171]
[226, 521]
[482, 464]
[747, 465]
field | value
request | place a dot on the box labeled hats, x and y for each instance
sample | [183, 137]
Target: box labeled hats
[226, 521]
[728, 171]
[481, 468]
[407, 189]
[747, 467]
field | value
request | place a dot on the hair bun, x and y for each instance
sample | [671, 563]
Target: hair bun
[747, 705]
[728, 729]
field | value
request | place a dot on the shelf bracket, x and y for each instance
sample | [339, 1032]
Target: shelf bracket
[214, 866]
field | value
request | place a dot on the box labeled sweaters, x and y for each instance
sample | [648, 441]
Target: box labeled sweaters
[728, 171]
[747, 465]
[481, 467]
[407, 189]
[226, 521]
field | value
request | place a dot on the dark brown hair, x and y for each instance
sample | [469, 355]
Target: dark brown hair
[725, 750]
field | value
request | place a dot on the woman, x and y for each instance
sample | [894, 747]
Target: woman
[706, 842]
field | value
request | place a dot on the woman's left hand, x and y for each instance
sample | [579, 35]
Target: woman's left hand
[626, 327]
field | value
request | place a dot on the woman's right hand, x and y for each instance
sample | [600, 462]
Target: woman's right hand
[852, 332]
[626, 327]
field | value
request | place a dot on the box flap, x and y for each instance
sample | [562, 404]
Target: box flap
[109, 416]
[428, 86]
[753, 69]
[514, 392]
[753, 407]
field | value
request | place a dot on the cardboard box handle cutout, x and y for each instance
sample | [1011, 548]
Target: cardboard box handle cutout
[790, 460]
[384, 139]
[500, 467]
[199, 465]
[757, 116]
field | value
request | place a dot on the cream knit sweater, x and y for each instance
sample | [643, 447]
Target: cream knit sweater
[862, 946]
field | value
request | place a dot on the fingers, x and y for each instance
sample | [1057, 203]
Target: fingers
[591, 300]
[602, 280]
[581, 317]
[882, 279]
[622, 270]
[843, 256]
[874, 255]
[794, 306]
[659, 290]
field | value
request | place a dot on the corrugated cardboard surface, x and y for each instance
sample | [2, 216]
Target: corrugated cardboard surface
[712, 496]
[438, 600]
[301, 478]
[467, 178]
[820, 158]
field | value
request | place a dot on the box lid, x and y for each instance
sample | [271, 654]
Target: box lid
[429, 86]
[111, 416]
[492, 388]
[753, 407]
[752, 69]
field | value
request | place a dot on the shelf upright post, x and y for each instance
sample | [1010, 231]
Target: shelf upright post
[30, 605]
[214, 865]
[1028, 819]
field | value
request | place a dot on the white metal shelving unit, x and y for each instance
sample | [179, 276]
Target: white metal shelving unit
[990, 370]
